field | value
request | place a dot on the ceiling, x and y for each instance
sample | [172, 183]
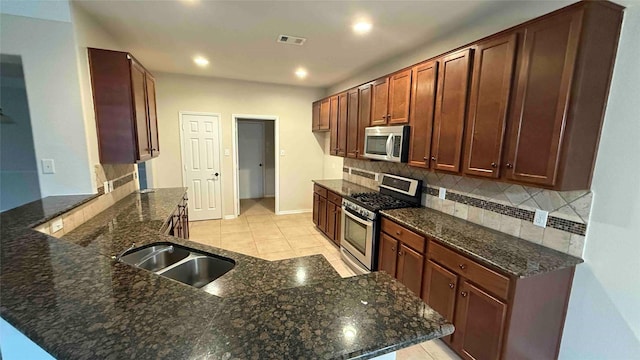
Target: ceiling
[239, 37]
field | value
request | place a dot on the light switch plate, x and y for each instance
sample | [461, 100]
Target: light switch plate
[48, 166]
[227, 152]
[57, 225]
[540, 218]
[442, 194]
[282, 153]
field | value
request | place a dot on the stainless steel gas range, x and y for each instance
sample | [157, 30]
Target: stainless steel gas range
[361, 219]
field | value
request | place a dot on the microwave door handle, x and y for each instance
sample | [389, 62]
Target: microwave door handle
[390, 145]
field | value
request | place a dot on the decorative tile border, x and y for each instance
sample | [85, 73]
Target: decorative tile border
[122, 181]
[345, 169]
[364, 174]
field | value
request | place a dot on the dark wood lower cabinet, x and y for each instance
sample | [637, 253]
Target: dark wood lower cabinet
[409, 270]
[479, 322]
[388, 257]
[327, 213]
[439, 290]
[178, 224]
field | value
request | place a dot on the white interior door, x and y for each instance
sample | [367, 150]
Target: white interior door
[251, 159]
[201, 165]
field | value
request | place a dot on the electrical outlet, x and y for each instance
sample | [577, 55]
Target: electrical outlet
[48, 166]
[105, 186]
[110, 185]
[282, 153]
[540, 218]
[442, 194]
[57, 225]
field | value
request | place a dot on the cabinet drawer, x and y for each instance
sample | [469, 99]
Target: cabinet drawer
[486, 278]
[320, 190]
[334, 198]
[408, 237]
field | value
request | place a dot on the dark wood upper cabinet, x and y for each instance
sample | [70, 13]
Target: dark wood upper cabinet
[364, 115]
[343, 100]
[423, 96]
[451, 104]
[480, 322]
[315, 116]
[325, 110]
[564, 72]
[399, 96]
[380, 101]
[488, 103]
[125, 106]
[410, 268]
[333, 124]
[388, 257]
[353, 131]
[153, 115]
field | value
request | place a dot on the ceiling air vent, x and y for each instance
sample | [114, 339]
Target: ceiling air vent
[291, 40]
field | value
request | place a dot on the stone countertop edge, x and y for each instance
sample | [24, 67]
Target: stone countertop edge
[87, 295]
[343, 187]
[509, 254]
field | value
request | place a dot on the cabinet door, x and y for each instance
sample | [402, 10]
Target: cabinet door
[153, 115]
[544, 79]
[331, 220]
[451, 104]
[399, 95]
[489, 98]
[423, 97]
[439, 290]
[138, 88]
[325, 110]
[322, 214]
[352, 124]
[379, 114]
[316, 209]
[315, 116]
[343, 108]
[333, 124]
[338, 229]
[364, 115]
[388, 257]
[410, 269]
[479, 322]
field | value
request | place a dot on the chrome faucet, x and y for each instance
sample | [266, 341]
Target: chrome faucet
[119, 256]
[157, 252]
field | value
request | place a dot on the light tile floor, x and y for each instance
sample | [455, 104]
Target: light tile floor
[259, 232]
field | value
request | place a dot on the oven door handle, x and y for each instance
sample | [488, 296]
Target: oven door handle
[356, 217]
[390, 145]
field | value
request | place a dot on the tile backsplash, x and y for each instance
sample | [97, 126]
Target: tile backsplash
[504, 207]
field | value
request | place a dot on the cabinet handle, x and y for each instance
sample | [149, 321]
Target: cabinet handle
[451, 285]
[433, 158]
[509, 165]
[462, 266]
[464, 294]
[494, 165]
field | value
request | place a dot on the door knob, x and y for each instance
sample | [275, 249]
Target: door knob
[216, 174]
[260, 164]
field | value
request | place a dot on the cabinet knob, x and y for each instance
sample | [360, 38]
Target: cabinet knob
[433, 158]
[494, 165]
[399, 253]
[464, 294]
[393, 248]
[509, 165]
[462, 266]
[398, 232]
[451, 285]
[425, 158]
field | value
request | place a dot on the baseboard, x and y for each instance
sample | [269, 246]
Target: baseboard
[289, 212]
[229, 217]
[269, 196]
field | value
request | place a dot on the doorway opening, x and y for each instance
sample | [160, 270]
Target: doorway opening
[19, 181]
[255, 164]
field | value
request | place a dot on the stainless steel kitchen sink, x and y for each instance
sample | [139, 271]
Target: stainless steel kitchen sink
[199, 271]
[183, 264]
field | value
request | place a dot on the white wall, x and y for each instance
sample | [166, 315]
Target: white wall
[603, 321]
[269, 159]
[50, 66]
[303, 159]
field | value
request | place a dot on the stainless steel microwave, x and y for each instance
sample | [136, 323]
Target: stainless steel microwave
[389, 143]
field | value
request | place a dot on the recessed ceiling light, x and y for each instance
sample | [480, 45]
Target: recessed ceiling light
[362, 27]
[201, 61]
[301, 73]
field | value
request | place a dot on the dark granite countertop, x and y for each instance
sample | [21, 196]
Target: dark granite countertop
[343, 187]
[75, 302]
[512, 255]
